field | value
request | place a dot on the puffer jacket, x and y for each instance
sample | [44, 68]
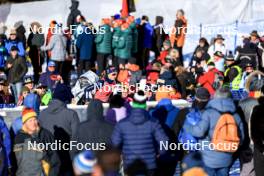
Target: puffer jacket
[104, 40]
[133, 28]
[57, 46]
[125, 44]
[95, 129]
[205, 129]
[137, 135]
[35, 161]
[116, 36]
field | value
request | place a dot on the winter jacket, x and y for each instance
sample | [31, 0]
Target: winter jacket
[95, 129]
[177, 37]
[257, 125]
[62, 123]
[115, 39]
[46, 79]
[3, 56]
[114, 115]
[85, 44]
[137, 136]
[6, 99]
[104, 40]
[18, 44]
[57, 46]
[17, 71]
[207, 79]
[147, 35]
[5, 141]
[162, 56]
[104, 92]
[205, 130]
[34, 161]
[165, 112]
[134, 37]
[125, 43]
[58, 118]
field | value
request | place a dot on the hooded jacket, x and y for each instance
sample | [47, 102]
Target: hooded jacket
[205, 129]
[137, 136]
[115, 39]
[95, 129]
[62, 123]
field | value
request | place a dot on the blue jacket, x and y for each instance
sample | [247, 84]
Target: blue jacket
[170, 114]
[45, 79]
[148, 36]
[19, 44]
[3, 56]
[137, 135]
[85, 44]
[5, 141]
[205, 129]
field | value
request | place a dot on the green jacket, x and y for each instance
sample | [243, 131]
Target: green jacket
[235, 85]
[103, 40]
[116, 36]
[125, 44]
[134, 37]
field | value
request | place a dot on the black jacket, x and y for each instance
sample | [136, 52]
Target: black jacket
[257, 125]
[30, 162]
[17, 71]
[95, 130]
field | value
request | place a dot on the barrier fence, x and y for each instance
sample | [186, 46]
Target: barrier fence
[9, 114]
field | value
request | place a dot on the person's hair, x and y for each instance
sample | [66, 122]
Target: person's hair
[144, 17]
[116, 101]
[223, 92]
[179, 70]
[202, 39]
[181, 11]
[173, 52]
[159, 20]
[5, 88]
[109, 160]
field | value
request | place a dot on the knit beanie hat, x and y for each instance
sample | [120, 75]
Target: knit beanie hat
[83, 163]
[202, 94]
[63, 93]
[139, 100]
[27, 114]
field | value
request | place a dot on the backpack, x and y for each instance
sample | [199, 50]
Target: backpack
[225, 137]
[192, 118]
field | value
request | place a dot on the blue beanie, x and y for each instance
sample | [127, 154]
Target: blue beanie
[84, 162]
[62, 93]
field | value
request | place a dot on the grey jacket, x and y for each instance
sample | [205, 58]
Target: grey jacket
[57, 45]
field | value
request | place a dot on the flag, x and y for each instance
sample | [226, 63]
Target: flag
[128, 6]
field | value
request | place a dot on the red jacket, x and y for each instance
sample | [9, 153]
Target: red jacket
[207, 79]
[162, 57]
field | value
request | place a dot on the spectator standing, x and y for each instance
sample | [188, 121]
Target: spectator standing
[16, 69]
[61, 122]
[14, 41]
[103, 42]
[85, 45]
[137, 135]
